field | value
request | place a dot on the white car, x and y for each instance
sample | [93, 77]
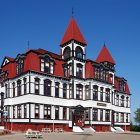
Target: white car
[33, 134]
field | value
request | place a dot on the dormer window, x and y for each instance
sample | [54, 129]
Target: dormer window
[122, 86]
[47, 65]
[96, 73]
[79, 52]
[20, 65]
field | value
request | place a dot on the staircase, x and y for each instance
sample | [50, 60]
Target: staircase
[119, 129]
[77, 129]
[113, 130]
[89, 130]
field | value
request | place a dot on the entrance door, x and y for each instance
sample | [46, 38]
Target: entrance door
[79, 117]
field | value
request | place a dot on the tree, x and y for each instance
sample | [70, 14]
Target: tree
[137, 116]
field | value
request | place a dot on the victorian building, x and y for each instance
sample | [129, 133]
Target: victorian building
[42, 89]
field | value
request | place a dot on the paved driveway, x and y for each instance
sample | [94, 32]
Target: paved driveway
[73, 136]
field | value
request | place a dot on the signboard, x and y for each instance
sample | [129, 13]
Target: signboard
[101, 104]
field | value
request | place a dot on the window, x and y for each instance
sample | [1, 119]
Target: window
[117, 117]
[107, 115]
[96, 73]
[25, 111]
[111, 78]
[64, 90]
[107, 95]
[65, 71]
[19, 111]
[87, 114]
[64, 113]
[95, 114]
[101, 114]
[127, 118]
[117, 100]
[79, 92]
[47, 65]
[13, 84]
[36, 111]
[6, 90]
[56, 89]
[102, 74]
[127, 101]
[18, 87]
[67, 53]
[70, 69]
[70, 91]
[122, 86]
[79, 71]
[95, 92]
[101, 93]
[79, 52]
[13, 111]
[122, 117]
[87, 92]
[47, 87]
[122, 101]
[25, 85]
[57, 113]
[47, 112]
[20, 66]
[37, 82]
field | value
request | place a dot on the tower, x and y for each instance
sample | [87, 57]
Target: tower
[73, 50]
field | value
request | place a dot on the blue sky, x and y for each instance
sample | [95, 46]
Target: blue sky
[43, 23]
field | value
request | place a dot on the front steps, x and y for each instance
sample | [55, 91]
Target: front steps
[119, 129]
[89, 130]
[112, 129]
[78, 129]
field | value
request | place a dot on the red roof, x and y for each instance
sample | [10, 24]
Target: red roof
[116, 83]
[73, 32]
[41, 51]
[9, 58]
[105, 56]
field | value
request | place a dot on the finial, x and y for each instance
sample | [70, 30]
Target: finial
[104, 43]
[72, 11]
[28, 44]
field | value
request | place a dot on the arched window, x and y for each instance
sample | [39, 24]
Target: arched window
[79, 52]
[37, 83]
[127, 101]
[47, 87]
[101, 93]
[66, 53]
[95, 92]
[64, 90]
[122, 100]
